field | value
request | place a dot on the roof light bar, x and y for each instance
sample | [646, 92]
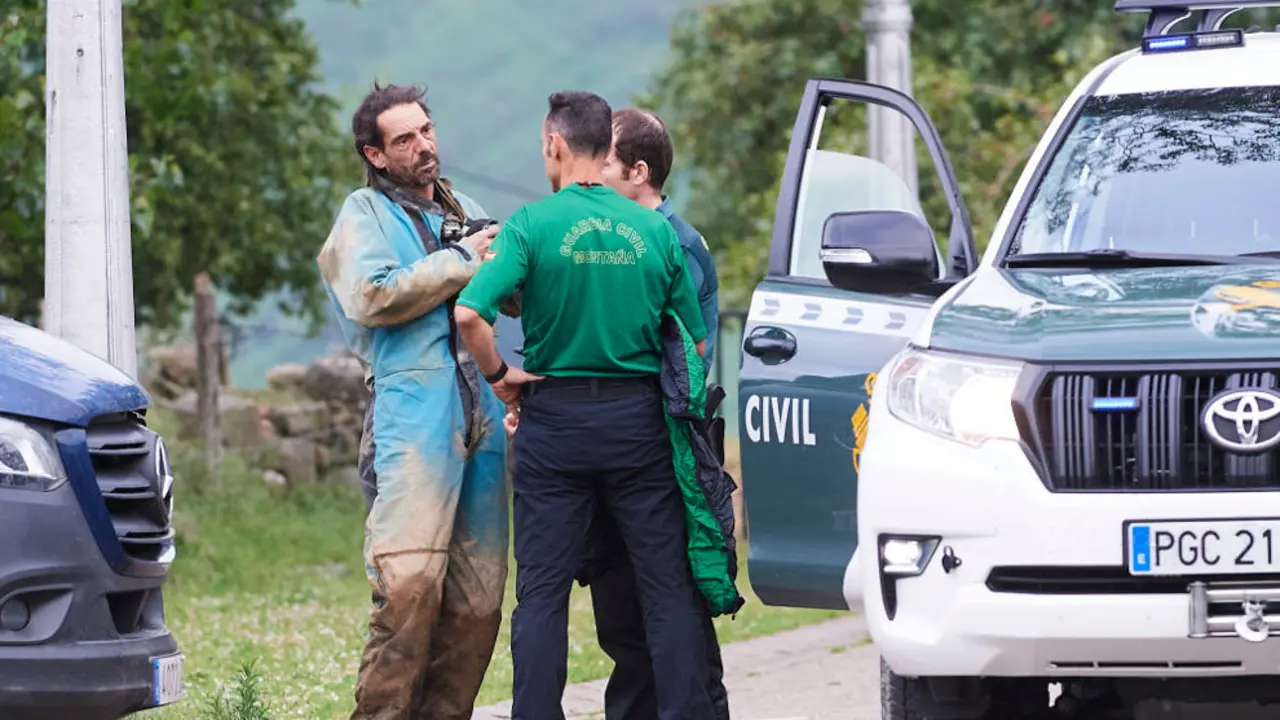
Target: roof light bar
[1193, 41]
[1150, 5]
[1163, 15]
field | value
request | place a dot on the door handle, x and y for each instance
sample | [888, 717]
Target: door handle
[770, 343]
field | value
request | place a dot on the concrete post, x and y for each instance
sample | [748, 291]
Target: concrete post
[891, 135]
[88, 262]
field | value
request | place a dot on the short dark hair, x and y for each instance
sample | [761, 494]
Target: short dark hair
[583, 119]
[364, 123]
[641, 135]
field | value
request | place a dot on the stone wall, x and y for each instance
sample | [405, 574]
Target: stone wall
[306, 428]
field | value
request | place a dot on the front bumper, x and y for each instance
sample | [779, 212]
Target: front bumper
[993, 513]
[77, 639]
[81, 681]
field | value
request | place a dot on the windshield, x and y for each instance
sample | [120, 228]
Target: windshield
[1185, 172]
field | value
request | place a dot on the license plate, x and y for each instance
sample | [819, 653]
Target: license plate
[167, 680]
[1203, 547]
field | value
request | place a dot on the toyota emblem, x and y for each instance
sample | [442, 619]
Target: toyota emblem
[1245, 422]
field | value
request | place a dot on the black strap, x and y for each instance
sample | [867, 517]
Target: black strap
[430, 242]
[498, 375]
[715, 426]
[715, 396]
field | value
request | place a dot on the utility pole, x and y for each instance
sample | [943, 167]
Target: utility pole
[88, 271]
[891, 135]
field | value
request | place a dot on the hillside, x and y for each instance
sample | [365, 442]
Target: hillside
[489, 66]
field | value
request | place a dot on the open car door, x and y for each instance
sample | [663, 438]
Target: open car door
[812, 347]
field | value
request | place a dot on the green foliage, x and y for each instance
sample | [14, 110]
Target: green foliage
[235, 162]
[990, 73]
[21, 159]
[246, 701]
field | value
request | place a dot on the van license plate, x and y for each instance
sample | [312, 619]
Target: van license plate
[1203, 547]
[167, 680]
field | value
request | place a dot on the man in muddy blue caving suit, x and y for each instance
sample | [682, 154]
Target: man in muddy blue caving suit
[434, 452]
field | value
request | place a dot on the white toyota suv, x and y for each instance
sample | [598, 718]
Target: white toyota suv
[1066, 452]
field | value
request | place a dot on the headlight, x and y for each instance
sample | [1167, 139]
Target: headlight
[28, 460]
[960, 398]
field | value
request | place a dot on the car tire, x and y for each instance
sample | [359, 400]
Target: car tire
[910, 699]
[898, 695]
[903, 698]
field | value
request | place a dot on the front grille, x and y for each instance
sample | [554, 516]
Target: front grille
[133, 475]
[1157, 445]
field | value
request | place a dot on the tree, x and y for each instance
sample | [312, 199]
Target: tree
[990, 73]
[236, 165]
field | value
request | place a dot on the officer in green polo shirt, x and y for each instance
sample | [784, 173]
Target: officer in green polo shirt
[596, 273]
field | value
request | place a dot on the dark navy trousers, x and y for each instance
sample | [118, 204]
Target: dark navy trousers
[630, 692]
[584, 444]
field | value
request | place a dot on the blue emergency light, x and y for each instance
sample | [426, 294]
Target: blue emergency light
[1115, 404]
[1193, 41]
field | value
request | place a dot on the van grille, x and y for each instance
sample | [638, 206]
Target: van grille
[1156, 444]
[132, 469]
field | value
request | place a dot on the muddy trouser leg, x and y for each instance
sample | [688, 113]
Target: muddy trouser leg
[569, 450]
[472, 609]
[420, 469]
[630, 693]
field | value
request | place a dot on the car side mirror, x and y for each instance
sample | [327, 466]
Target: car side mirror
[878, 251]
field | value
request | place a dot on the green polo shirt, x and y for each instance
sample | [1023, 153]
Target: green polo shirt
[597, 271]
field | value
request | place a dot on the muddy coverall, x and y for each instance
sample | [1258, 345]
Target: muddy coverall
[437, 531]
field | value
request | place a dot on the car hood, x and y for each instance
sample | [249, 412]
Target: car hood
[44, 377]
[1220, 312]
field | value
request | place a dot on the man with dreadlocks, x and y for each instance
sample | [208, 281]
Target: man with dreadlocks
[436, 535]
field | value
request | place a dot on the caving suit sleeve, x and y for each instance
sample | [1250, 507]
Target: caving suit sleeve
[369, 282]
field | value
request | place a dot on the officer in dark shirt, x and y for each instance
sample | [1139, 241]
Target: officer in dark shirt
[597, 273]
[637, 167]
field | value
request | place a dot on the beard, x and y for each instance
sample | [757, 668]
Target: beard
[422, 173]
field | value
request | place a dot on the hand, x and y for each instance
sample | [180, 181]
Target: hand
[512, 419]
[508, 388]
[478, 243]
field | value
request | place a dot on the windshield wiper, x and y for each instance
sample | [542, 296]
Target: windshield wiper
[1262, 254]
[1123, 258]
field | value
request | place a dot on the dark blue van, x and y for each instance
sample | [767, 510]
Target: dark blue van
[86, 495]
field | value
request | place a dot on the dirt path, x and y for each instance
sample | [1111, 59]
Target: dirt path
[821, 672]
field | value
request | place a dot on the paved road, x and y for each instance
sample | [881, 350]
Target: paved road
[822, 672]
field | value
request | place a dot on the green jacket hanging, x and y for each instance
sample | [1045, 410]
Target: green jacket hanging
[704, 485]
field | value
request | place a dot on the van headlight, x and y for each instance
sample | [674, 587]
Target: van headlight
[961, 398]
[28, 459]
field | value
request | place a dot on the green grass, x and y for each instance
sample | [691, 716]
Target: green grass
[275, 579]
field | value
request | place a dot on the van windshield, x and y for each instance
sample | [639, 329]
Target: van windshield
[1185, 172]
